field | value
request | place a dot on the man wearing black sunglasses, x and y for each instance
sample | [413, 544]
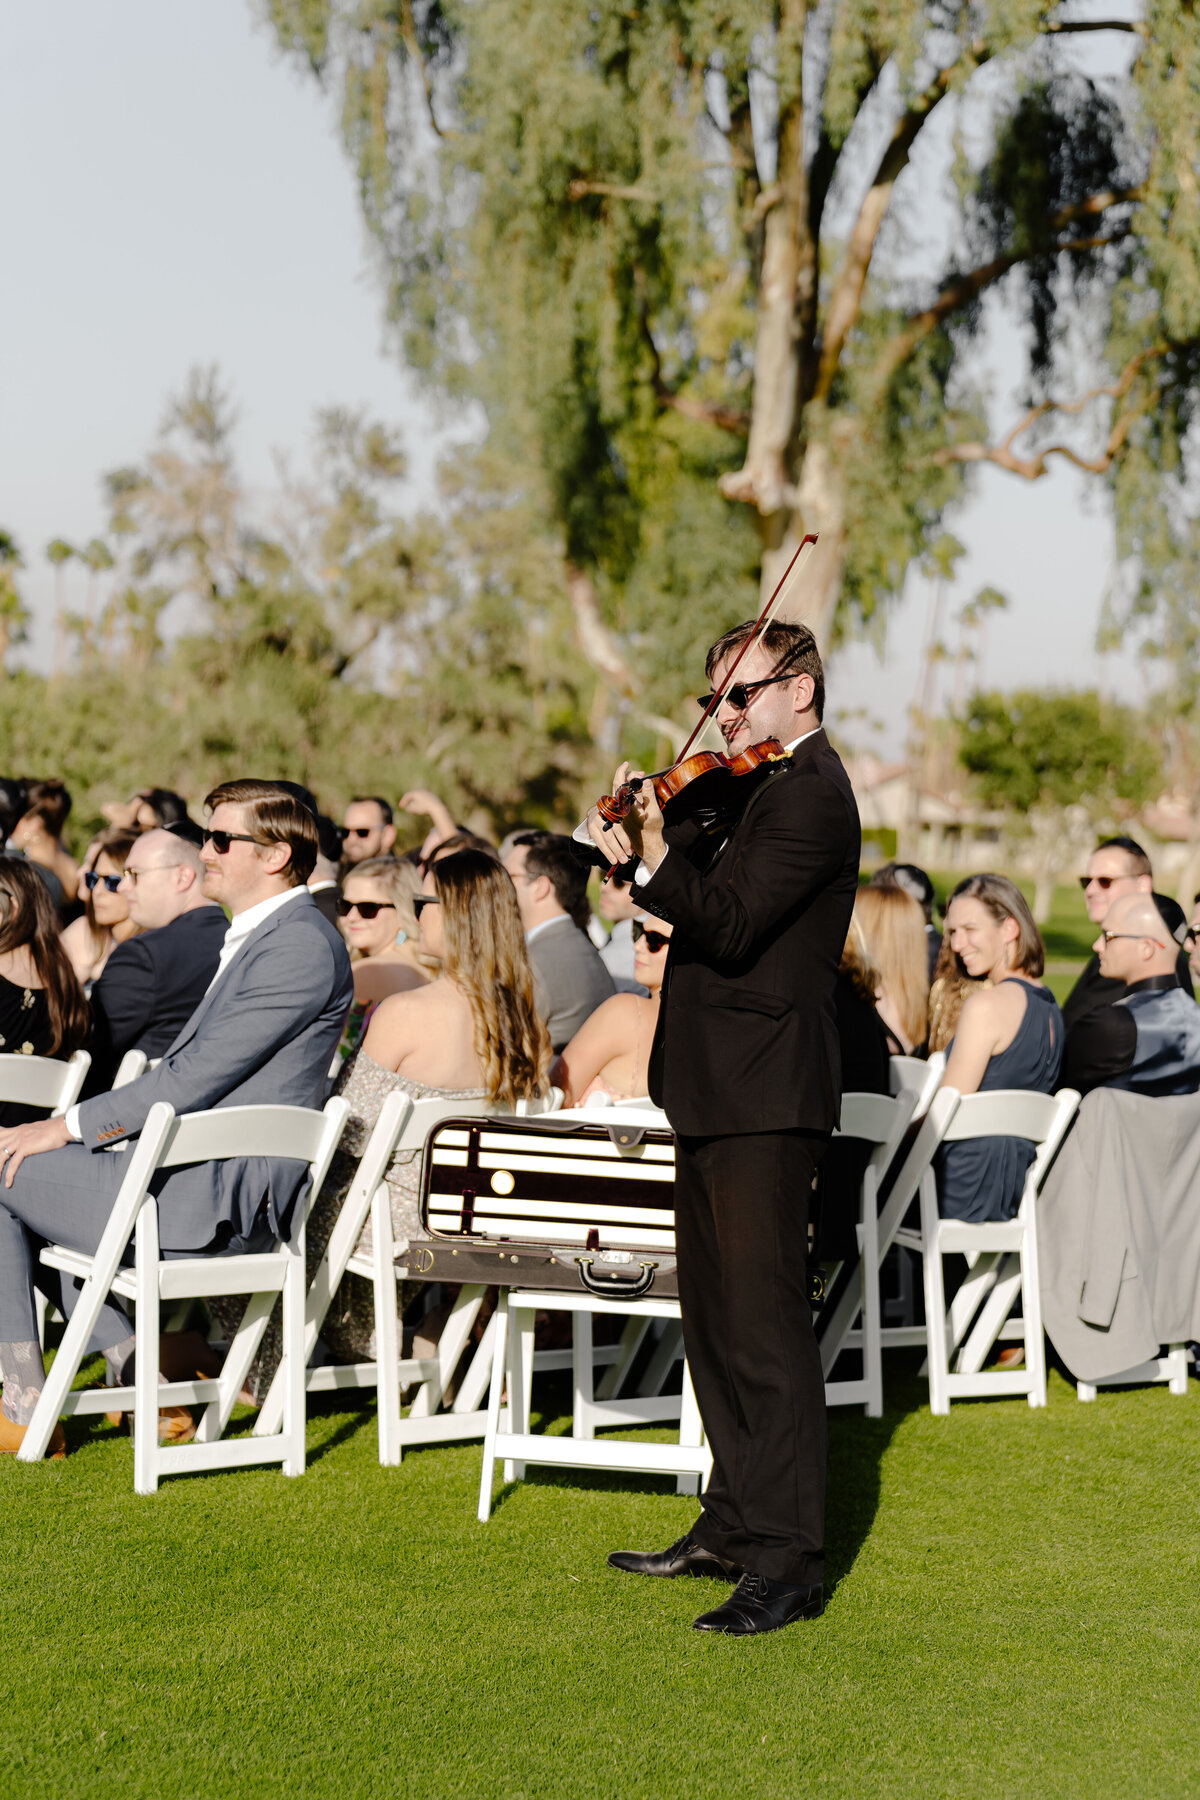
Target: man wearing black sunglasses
[746, 1064]
[1117, 867]
[263, 1034]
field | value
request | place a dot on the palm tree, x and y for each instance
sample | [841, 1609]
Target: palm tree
[60, 553]
[98, 558]
[14, 614]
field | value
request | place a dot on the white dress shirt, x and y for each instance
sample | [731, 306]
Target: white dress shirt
[240, 927]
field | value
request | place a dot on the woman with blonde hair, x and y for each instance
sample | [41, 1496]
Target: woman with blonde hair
[91, 940]
[1010, 1035]
[375, 911]
[893, 928]
[473, 1033]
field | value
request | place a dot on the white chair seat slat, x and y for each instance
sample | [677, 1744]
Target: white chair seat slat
[43, 1080]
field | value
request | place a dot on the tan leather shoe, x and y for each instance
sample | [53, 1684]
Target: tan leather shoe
[13, 1436]
[175, 1424]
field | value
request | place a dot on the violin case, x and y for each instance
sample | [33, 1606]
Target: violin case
[553, 1202]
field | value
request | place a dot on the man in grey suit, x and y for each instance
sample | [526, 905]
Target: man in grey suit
[570, 981]
[264, 1034]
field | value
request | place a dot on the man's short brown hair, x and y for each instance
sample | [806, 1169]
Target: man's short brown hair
[1139, 862]
[793, 648]
[273, 816]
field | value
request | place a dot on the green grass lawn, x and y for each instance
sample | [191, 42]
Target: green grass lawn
[1013, 1612]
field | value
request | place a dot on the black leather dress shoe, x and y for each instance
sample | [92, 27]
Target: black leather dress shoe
[757, 1604]
[685, 1557]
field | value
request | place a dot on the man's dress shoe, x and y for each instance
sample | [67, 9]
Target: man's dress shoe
[685, 1557]
[757, 1604]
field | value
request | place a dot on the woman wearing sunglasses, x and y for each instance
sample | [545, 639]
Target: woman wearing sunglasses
[91, 940]
[375, 913]
[607, 1059]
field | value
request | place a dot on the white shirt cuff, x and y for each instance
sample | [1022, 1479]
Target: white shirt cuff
[642, 874]
[71, 1121]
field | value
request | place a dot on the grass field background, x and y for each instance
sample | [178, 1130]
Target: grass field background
[1013, 1611]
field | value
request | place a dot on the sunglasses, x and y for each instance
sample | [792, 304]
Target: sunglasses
[92, 881]
[739, 694]
[221, 840]
[655, 940]
[366, 909]
[1133, 937]
[358, 831]
[424, 900]
[1103, 882]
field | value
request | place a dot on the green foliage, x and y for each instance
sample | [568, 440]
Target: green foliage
[1041, 748]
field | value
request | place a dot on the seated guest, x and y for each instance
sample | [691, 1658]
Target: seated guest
[152, 984]
[263, 1035]
[91, 940]
[608, 1058]
[380, 926]
[367, 832]
[893, 929]
[948, 992]
[1010, 1035]
[1192, 940]
[14, 804]
[471, 1033]
[39, 832]
[619, 906]
[551, 876]
[1117, 866]
[148, 809]
[42, 1008]
[450, 846]
[862, 1034]
[917, 885]
[1148, 1041]
[323, 882]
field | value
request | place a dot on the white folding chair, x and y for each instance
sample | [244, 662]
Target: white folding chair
[877, 1120]
[921, 1076]
[131, 1065]
[43, 1081]
[167, 1142]
[403, 1125]
[1002, 1257]
[910, 1073]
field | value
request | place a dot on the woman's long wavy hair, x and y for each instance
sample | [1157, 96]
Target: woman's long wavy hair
[485, 956]
[893, 928]
[27, 917]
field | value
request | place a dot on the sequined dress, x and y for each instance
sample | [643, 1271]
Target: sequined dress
[349, 1328]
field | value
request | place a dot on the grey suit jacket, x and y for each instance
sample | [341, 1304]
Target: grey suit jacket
[570, 981]
[263, 1035]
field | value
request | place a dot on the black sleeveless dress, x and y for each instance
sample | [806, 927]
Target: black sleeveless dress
[982, 1178]
[24, 1031]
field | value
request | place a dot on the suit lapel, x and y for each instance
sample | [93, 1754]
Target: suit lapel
[190, 1029]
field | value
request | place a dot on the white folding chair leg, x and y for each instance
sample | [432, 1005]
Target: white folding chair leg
[632, 1339]
[295, 1387]
[1003, 1291]
[691, 1433]
[1031, 1308]
[520, 1381]
[973, 1291]
[582, 1374]
[935, 1326]
[474, 1383]
[236, 1368]
[499, 1359]
[872, 1352]
[387, 1330]
[668, 1353]
[145, 1380]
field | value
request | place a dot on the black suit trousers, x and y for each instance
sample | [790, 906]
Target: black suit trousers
[741, 1226]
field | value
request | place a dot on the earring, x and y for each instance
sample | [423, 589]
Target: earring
[401, 937]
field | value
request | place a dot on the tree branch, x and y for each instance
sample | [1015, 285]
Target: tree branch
[1061, 29]
[845, 302]
[967, 286]
[1032, 468]
[408, 33]
[708, 412]
[580, 188]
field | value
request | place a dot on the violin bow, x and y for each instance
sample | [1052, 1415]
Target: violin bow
[781, 598]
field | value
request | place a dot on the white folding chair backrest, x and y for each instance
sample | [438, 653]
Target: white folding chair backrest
[1041, 1119]
[43, 1080]
[285, 1131]
[877, 1119]
[131, 1065]
[922, 1077]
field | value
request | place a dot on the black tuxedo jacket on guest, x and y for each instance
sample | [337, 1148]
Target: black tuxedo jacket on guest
[747, 1036]
[150, 987]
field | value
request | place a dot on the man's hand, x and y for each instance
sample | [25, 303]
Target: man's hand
[20, 1141]
[640, 833]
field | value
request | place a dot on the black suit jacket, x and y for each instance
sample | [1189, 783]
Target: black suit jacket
[150, 987]
[747, 1032]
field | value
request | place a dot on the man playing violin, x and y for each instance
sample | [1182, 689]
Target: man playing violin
[745, 1063]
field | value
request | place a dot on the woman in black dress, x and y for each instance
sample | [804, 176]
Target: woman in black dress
[42, 1008]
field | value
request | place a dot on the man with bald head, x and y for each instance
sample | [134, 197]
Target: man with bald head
[153, 983]
[1148, 1041]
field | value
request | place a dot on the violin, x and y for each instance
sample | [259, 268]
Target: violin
[698, 781]
[694, 782]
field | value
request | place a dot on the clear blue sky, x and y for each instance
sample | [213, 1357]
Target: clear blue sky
[173, 193]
